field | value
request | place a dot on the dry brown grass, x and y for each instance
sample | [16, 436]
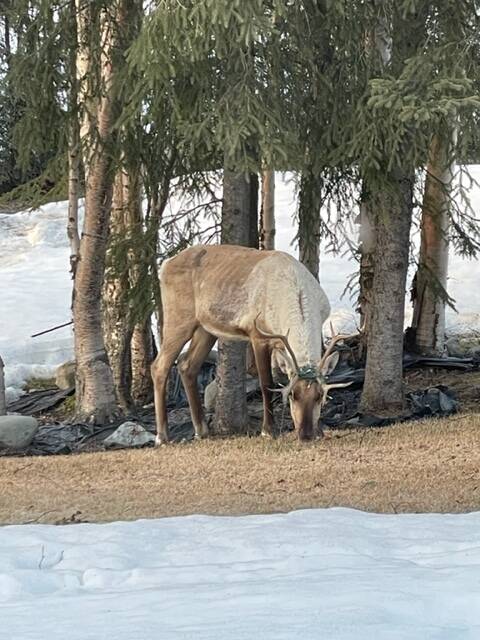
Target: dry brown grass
[422, 466]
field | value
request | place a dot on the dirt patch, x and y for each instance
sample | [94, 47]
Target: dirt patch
[412, 467]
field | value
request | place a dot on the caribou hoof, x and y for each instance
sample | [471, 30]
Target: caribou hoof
[267, 434]
[161, 441]
[202, 432]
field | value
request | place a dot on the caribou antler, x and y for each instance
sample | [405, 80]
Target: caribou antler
[333, 342]
[282, 338]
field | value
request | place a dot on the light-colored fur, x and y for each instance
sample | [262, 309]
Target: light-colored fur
[231, 287]
[236, 293]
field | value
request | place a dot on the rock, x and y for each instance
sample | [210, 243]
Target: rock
[463, 346]
[212, 357]
[65, 375]
[17, 432]
[210, 395]
[252, 385]
[129, 434]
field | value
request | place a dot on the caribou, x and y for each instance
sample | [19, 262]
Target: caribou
[237, 293]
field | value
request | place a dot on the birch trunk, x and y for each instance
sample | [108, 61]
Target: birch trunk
[383, 392]
[3, 402]
[231, 402]
[95, 396]
[431, 278]
[267, 211]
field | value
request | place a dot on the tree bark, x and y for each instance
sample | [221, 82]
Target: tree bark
[95, 396]
[142, 343]
[367, 237]
[380, 42]
[430, 282]
[309, 221]
[383, 392]
[73, 152]
[231, 402]
[254, 230]
[117, 323]
[143, 353]
[267, 211]
[73, 195]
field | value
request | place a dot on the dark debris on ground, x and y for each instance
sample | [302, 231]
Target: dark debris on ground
[340, 412]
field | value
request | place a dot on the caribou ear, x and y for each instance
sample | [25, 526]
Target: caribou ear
[330, 363]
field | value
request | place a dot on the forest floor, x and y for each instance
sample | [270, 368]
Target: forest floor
[423, 466]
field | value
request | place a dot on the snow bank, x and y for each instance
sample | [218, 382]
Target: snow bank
[35, 293]
[35, 286]
[335, 573]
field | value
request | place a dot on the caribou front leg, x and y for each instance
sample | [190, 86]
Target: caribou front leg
[264, 368]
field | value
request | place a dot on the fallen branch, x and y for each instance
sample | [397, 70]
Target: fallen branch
[60, 326]
[3, 402]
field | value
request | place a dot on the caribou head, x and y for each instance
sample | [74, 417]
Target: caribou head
[307, 389]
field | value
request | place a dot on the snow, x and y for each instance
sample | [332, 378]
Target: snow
[35, 293]
[334, 573]
[35, 288]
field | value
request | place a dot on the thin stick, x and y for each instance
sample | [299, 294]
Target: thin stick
[60, 326]
[3, 402]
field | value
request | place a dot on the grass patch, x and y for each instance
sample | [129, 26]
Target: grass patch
[424, 466]
[65, 410]
[39, 384]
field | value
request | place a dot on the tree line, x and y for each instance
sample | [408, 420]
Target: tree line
[374, 105]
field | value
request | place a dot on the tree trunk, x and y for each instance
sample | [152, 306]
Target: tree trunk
[73, 194]
[117, 323]
[309, 221]
[73, 152]
[231, 403]
[142, 357]
[380, 42]
[253, 233]
[95, 396]
[267, 211]
[431, 278]
[383, 392]
[367, 237]
[142, 343]
[3, 402]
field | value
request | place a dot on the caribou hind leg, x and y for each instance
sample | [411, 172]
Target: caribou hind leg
[189, 367]
[264, 368]
[172, 344]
